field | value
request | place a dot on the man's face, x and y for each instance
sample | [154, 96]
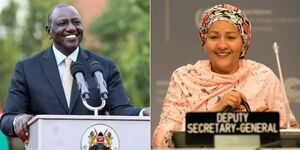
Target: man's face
[65, 29]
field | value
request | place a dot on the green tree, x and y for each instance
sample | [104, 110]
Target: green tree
[34, 38]
[8, 51]
[123, 30]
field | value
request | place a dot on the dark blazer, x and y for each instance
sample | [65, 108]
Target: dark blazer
[36, 88]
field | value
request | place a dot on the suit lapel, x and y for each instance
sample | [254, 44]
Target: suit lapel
[84, 59]
[51, 71]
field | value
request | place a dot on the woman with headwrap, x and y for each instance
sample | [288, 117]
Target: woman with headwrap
[226, 79]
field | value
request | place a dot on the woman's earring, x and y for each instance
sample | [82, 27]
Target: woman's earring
[243, 53]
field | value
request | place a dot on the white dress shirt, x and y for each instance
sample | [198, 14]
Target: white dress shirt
[60, 57]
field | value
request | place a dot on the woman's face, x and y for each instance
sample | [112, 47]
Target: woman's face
[224, 46]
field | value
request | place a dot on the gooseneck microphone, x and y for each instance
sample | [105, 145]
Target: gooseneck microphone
[96, 70]
[78, 73]
[276, 51]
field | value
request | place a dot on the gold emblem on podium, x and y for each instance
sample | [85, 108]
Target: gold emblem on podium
[100, 137]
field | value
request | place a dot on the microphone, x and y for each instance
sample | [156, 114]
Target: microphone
[276, 51]
[228, 108]
[96, 70]
[78, 71]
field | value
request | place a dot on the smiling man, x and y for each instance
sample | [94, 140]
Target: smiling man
[37, 86]
[65, 28]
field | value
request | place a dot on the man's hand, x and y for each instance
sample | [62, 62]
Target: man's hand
[21, 127]
[147, 111]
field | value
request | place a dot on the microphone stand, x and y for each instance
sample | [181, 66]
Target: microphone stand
[95, 109]
[276, 51]
[285, 134]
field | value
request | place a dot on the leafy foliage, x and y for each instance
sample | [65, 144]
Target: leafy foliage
[123, 30]
[9, 52]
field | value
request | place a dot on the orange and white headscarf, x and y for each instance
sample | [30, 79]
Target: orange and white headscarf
[232, 14]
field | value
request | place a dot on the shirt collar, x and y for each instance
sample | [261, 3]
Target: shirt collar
[60, 57]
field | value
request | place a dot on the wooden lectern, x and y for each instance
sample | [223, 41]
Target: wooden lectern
[83, 132]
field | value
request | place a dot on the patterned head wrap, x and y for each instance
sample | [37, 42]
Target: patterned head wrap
[231, 14]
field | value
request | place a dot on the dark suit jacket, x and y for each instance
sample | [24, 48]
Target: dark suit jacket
[36, 88]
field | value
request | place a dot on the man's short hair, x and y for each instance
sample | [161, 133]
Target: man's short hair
[61, 5]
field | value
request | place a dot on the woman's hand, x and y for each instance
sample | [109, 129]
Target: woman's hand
[262, 109]
[232, 99]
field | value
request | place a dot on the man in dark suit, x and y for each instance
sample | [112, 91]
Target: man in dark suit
[37, 86]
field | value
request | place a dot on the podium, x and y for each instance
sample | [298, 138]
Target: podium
[82, 132]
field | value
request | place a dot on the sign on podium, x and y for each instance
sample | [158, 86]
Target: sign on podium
[82, 132]
[232, 129]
